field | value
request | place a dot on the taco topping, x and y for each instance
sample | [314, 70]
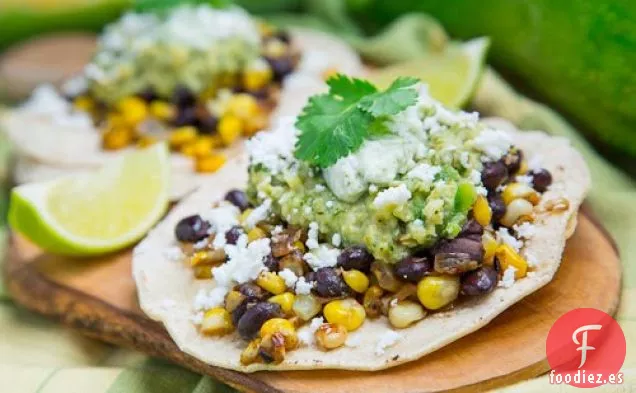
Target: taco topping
[431, 210]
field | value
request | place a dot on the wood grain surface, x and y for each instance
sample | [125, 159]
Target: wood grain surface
[97, 297]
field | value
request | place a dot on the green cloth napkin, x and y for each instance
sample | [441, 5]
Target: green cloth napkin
[37, 355]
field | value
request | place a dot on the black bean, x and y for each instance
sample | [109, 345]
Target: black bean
[512, 161]
[183, 97]
[255, 316]
[281, 67]
[252, 291]
[541, 179]
[355, 257]
[329, 283]
[413, 269]
[310, 276]
[148, 94]
[238, 198]
[260, 94]
[455, 262]
[238, 312]
[192, 229]
[472, 248]
[494, 174]
[271, 263]
[472, 229]
[186, 117]
[497, 206]
[207, 124]
[283, 35]
[479, 282]
[233, 234]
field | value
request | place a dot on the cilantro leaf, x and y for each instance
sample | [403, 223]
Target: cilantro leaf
[394, 100]
[335, 124]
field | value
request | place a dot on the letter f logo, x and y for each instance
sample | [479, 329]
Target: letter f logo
[583, 344]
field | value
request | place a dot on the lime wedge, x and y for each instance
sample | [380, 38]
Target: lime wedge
[451, 74]
[96, 213]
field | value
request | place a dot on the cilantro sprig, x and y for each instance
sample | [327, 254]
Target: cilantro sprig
[334, 124]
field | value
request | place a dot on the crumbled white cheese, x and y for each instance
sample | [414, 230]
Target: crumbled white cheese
[303, 287]
[535, 162]
[201, 244]
[319, 188]
[392, 196]
[388, 339]
[312, 236]
[508, 278]
[494, 143]
[274, 149]
[353, 340]
[174, 254]
[373, 189]
[329, 204]
[308, 210]
[278, 229]
[336, 240]
[244, 261]
[75, 86]
[289, 277]
[306, 335]
[524, 230]
[207, 299]
[46, 102]
[531, 260]
[504, 237]
[197, 318]
[221, 219]
[525, 179]
[258, 214]
[323, 256]
[424, 172]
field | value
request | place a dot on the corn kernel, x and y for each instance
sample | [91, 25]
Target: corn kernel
[272, 348]
[227, 80]
[284, 300]
[347, 312]
[133, 109]
[202, 272]
[517, 209]
[356, 280]
[116, 138]
[271, 282]
[372, 301]
[405, 313]
[162, 110]
[306, 307]
[275, 48]
[507, 256]
[245, 214]
[233, 299]
[489, 243]
[265, 29]
[216, 140]
[210, 163]
[230, 128]
[255, 234]
[182, 136]
[146, 141]
[84, 103]
[481, 211]
[435, 292]
[243, 106]
[207, 257]
[523, 168]
[255, 79]
[216, 321]
[330, 336]
[255, 124]
[250, 353]
[202, 147]
[520, 190]
[300, 246]
[282, 326]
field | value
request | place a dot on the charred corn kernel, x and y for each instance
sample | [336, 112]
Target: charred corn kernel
[255, 234]
[556, 205]
[133, 109]
[233, 299]
[227, 79]
[347, 312]
[298, 245]
[272, 348]
[230, 128]
[216, 140]
[507, 256]
[330, 335]
[356, 280]
[84, 103]
[271, 282]
[162, 110]
[489, 244]
[265, 29]
[188, 150]
[435, 292]
[182, 136]
[207, 257]
[202, 272]
[216, 321]
[202, 147]
[284, 300]
[245, 214]
[405, 313]
[146, 141]
[306, 307]
[250, 353]
[255, 124]
[517, 209]
[481, 211]
[257, 78]
[243, 106]
[284, 327]
[116, 138]
[329, 72]
[523, 167]
[210, 163]
[275, 48]
[372, 301]
[520, 191]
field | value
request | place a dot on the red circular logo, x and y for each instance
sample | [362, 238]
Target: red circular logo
[585, 348]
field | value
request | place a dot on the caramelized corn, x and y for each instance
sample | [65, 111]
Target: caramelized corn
[182, 136]
[162, 110]
[272, 348]
[146, 141]
[481, 211]
[372, 301]
[210, 163]
[520, 191]
[347, 312]
[202, 272]
[133, 109]
[250, 353]
[243, 106]
[271, 282]
[405, 313]
[282, 326]
[285, 301]
[233, 299]
[507, 256]
[356, 280]
[216, 321]
[202, 147]
[489, 243]
[230, 128]
[435, 292]
[116, 138]
[84, 103]
[255, 234]
[207, 257]
[330, 336]
[255, 124]
[257, 78]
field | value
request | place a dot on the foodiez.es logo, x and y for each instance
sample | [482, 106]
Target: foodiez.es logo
[586, 348]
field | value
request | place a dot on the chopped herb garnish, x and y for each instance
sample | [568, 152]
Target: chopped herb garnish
[335, 124]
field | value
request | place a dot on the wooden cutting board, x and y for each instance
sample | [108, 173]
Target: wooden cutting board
[98, 299]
